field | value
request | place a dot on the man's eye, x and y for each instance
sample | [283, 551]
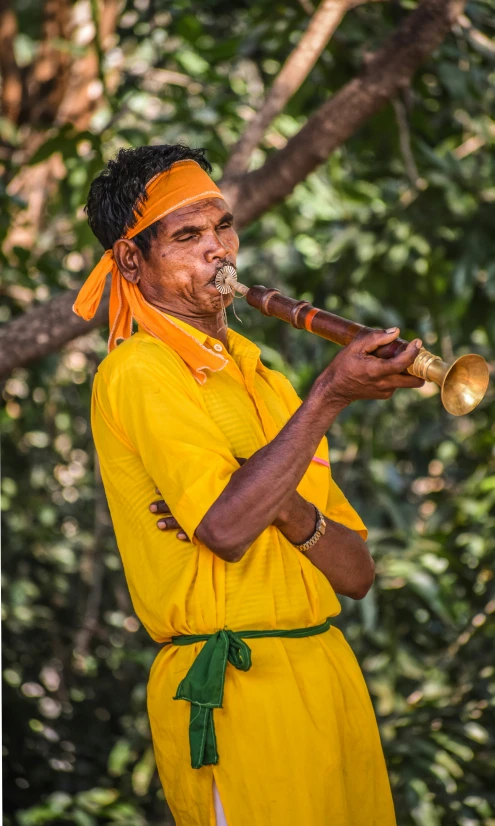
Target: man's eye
[185, 238]
[226, 225]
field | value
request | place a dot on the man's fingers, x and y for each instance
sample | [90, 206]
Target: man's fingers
[400, 362]
[171, 524]
[159, 507]
[167, 524]
[370, 342]
[407, 381]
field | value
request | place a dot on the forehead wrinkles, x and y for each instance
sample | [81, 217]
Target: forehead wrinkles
[200, 214]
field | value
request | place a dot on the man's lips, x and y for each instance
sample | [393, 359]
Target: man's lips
[212, 279]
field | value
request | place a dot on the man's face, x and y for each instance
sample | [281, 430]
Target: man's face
[192, 244]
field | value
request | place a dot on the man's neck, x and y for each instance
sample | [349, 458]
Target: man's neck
[212, 325]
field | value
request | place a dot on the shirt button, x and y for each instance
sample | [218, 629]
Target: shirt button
[218, 348]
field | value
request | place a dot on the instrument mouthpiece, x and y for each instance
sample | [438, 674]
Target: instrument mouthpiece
[226, 281]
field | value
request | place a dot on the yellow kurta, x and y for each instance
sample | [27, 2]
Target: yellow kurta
[297, 738]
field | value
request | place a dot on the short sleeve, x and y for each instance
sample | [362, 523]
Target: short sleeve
[161, 416]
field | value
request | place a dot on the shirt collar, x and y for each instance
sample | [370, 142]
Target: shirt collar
[188, 328]
[239, 346]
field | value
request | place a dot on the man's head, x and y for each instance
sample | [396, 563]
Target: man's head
[175, 259]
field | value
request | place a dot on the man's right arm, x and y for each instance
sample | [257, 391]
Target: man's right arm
[257, 491]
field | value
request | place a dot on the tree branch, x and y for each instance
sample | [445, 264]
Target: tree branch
[307, 6]
[473, 143]
[389, 70]
[44, 330]
[479, 41]
[405, 141]
[293, 73]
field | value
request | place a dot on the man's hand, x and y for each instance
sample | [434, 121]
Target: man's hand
[168, 523]
[355, 373]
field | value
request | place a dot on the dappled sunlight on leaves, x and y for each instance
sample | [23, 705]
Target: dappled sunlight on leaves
[358, 238]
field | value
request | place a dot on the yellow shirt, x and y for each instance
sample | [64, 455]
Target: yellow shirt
[154, 425]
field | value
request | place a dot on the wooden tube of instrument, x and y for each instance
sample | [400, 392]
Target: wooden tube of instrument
[303, 316]
[463, 382]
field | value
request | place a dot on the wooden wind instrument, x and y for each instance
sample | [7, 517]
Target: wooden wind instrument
[463, 383]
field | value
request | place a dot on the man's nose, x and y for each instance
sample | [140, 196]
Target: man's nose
[216, 249]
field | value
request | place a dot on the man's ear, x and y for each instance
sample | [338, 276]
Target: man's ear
[126, 254]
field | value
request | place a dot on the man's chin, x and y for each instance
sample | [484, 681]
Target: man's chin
[218, 300]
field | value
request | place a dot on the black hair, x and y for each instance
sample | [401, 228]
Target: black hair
[120, 189]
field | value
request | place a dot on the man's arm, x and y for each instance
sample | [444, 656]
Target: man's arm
[340, 554]
[256, 493]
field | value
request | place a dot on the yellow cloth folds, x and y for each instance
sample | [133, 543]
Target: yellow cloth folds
[184, 183]
[296, 736]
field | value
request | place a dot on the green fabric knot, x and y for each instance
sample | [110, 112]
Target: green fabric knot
[203, 687]
[204, 683]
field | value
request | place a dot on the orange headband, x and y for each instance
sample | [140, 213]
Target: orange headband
[184, 183]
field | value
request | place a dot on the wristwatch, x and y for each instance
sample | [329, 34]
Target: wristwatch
[320, 529]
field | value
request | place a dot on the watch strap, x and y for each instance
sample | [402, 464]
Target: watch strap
[319, 532]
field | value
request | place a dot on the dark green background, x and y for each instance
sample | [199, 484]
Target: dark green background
[358, 238]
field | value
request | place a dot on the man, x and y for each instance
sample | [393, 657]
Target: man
[283, 734]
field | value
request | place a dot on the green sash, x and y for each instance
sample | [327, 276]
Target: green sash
[204, 683]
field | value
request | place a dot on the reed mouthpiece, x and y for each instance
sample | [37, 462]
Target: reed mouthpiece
[226, 281]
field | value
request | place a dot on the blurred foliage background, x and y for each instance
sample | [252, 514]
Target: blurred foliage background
[395, 229]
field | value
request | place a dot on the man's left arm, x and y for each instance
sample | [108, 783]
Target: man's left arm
[340, 554]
